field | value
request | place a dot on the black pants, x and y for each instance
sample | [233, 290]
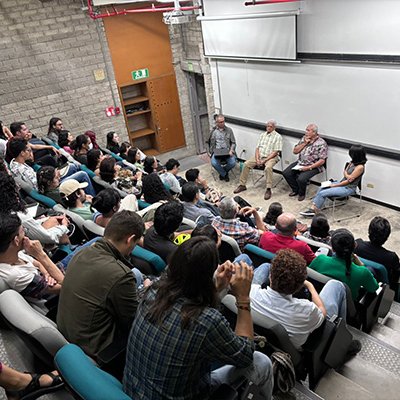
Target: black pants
[297, 180]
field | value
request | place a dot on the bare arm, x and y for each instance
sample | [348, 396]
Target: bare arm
[299, 147]
[358, 171]
[315, 297]
[257, 218]
[240, 284]
[317, 164]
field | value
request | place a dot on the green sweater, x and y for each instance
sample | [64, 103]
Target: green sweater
[334, 267]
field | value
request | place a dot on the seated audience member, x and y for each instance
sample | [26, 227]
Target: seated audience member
[49, 179]
[19, 152]
[24, 266]
[98, 299]
[160, 237]
[43, 154]
[108, 202]
[49, 230]
[28, 385]
[93, 141]
[124, 148]
[285, 238]
[229, 224]
[312, 153]
[287, 275]
[150, 164]
[345, 266]
[133, 156]
[207, 193]
[352, 175]
[268, 148]
[274, 211]
[55, 128]
[179, 315]
[319, 229]
[120, 178]
[81, 146]
[64, 141]
[169, 177]
[113, 142]
[154, 190]
[222, 144]
[75, 199]
[94, 158]
[191, 209]
[5, 133]
[378, 233]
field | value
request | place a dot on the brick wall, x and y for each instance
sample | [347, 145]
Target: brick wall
[49, 51]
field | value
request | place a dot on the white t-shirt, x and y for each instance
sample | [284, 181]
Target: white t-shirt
[19, 276]
[298, 316]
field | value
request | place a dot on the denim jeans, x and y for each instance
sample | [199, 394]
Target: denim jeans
[82, 176]
[223, 169]
[260, 373]
[342, 191]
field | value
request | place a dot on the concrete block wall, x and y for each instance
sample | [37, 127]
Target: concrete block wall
[187, 53]
[49, 52]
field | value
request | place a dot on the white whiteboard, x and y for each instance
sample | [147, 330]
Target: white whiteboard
[350, 27]
[267, 37]
[352, 102]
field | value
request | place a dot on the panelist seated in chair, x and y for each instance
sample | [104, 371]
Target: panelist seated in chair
[266, 156]
[312, 153]
[345, 266]
[222, 144]
[352, 176]
[287, 275]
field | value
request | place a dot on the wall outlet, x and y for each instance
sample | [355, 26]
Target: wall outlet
[370, 185]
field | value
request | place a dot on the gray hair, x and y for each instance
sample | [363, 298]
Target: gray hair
[272, 122]
[314, 127]
[228, 208]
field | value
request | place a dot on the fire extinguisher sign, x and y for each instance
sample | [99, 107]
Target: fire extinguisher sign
[140, 74]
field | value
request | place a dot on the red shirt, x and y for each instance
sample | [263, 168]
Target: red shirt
[274, 242]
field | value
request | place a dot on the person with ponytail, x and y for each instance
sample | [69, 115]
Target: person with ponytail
[345, 266]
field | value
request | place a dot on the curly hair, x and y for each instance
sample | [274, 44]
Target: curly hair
[10, 200]
[153, 189]
[45, 176]
[288, 271]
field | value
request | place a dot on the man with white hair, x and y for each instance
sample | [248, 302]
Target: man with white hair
[313, 152]
[267, 154]
[229, 224]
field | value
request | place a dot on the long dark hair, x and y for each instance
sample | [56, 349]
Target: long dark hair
[189, 277]
[93, 157]
[107, 169]
[357, 154]
[274, 211]
[343, 244]
[148, 164]
[45, 176]
[78, 143]
[52, 123]
[10, 199]
[153, 189]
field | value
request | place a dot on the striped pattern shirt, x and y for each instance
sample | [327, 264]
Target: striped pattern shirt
[268, 143]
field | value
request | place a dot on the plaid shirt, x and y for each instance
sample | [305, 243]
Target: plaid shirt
[168, 362]
[268, 143]
[242, 232]
[313, 152]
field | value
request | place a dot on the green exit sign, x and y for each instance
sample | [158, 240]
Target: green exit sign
[140, 74]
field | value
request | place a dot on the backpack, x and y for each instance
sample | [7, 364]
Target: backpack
[283, 371]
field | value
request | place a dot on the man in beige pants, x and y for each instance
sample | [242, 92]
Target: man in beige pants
[267, 153]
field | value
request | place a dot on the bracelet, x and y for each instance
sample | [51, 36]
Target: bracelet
[243, 307]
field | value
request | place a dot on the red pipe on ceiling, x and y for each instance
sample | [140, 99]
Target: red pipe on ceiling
[257, 3]
[153, 8]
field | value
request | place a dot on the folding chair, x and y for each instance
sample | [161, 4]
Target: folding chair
[256, 178]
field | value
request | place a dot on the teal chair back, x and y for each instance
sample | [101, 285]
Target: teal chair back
[87, 170]
[42, 199]
[257, 254]
[156, 261]
[84, 378]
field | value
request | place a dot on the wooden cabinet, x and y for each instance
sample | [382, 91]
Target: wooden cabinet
[152, 114]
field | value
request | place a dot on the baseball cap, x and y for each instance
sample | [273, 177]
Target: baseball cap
[70, 186]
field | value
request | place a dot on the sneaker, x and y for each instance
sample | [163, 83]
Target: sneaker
[267, 194]
[226, 178]
[240, 188]
[308, 213]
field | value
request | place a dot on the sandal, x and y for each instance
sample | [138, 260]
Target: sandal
[33, 390]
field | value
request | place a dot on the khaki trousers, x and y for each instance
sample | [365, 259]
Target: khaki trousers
[268, 171]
